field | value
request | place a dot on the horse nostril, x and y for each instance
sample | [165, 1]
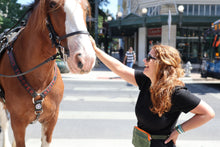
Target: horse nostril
[80, 65]
[79, 62]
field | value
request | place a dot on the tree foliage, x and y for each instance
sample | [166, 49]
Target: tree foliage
[10, 12]
[101, 17]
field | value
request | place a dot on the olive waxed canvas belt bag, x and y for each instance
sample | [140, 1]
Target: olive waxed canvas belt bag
[143, 139]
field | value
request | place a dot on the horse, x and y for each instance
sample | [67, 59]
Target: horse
[36, 95]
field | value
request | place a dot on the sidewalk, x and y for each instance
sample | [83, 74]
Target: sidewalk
[196, 78]
[116, 143]
[101, 72]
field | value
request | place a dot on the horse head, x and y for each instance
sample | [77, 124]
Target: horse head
[66, 18]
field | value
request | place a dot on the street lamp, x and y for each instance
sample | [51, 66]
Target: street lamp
[106, 31]
[144, 13]
[109, 18]
[119, 16]
[181, 10]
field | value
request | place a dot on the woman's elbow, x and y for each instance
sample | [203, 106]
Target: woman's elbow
[211, 114]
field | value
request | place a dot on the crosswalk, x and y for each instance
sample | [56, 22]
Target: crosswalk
[115, 143]
[99, 113]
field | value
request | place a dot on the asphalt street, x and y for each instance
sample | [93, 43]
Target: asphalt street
[98, 110]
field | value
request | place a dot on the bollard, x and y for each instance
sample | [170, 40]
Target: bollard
[188, 69]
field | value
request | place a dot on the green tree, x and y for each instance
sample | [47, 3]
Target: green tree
[100, 17]
[10, 12]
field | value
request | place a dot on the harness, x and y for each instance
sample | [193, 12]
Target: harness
[62, 52]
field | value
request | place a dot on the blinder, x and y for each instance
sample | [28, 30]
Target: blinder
[55, 39]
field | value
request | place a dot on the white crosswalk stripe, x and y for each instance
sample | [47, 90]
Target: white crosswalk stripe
[106, 115]
[98, 99]
[116, 143]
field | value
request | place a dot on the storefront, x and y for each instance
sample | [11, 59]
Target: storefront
[190, 43]
[150, 30]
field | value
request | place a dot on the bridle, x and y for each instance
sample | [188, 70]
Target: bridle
[62, 52]
[55, 39]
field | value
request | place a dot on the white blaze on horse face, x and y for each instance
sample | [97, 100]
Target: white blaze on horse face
[4, 122]
[82, 56]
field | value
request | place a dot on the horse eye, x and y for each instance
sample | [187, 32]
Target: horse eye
[53, 4]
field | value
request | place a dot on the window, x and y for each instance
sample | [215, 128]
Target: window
[185, 10]
[190, 10]
[202, 10]
[212, 10]
[218, 10]
[149, 13]
[196, 10]
[207, 10]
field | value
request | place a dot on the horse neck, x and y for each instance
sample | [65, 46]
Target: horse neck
[31, 49]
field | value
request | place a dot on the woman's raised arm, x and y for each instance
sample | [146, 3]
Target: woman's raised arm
[114, 65]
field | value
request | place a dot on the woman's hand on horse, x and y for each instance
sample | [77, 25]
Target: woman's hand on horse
[93, 43]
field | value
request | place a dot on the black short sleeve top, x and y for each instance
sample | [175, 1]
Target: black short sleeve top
[182, 101]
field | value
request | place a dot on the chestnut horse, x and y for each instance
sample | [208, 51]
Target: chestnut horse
[36, 96]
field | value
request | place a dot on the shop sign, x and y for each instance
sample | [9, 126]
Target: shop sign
[154, 32]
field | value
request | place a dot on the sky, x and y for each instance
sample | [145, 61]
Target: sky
[112, 6]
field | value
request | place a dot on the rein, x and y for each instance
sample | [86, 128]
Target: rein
[37, 103]
[55, 39]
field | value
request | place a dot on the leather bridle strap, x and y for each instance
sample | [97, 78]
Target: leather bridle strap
[24, 82]
[37, 103]
[54, 36]
[72, 34]
[55, 39]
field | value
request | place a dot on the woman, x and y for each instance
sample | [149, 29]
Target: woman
[162, 95]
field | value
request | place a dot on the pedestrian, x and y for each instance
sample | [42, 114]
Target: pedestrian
[121, 54]
[130, 58]
[162, 98]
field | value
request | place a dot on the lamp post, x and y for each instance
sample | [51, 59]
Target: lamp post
[119, 16]
[181, 10]
[109, 18]
[107, 34]
[144, 13]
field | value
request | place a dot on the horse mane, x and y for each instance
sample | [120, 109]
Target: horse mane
[37, 16]
[87, 8]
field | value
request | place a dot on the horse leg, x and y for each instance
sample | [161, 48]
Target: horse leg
[4, 121]
[47, 131]
[19, 127]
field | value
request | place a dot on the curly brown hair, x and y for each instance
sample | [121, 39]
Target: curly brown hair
[168, 70]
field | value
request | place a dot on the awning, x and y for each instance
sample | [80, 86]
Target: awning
[128, 25]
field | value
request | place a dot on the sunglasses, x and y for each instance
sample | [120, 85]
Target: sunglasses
[149, 56]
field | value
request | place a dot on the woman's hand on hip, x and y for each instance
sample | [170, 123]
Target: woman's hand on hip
[173, 137]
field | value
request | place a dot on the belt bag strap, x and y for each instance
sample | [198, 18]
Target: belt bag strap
[163, 137]
[150, 137]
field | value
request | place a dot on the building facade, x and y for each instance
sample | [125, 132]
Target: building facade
[163, 23]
